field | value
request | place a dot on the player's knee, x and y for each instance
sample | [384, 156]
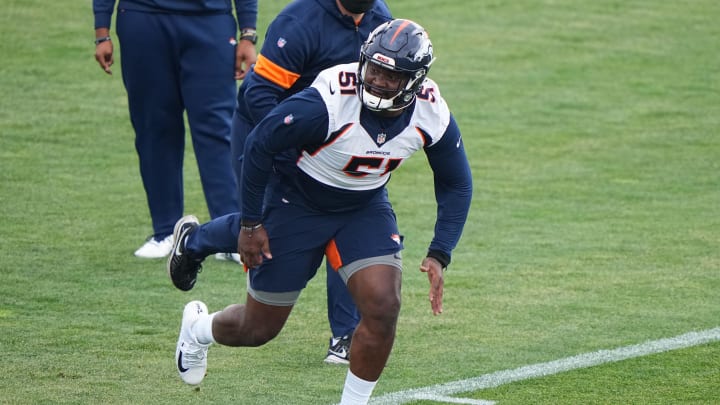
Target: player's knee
[382, 314]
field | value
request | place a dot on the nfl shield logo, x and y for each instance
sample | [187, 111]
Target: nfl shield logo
[381, 138]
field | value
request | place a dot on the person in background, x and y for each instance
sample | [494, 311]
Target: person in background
[350, 129]
[306, 37]
[177, 57]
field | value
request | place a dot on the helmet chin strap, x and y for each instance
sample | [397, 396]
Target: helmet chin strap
[376, 103]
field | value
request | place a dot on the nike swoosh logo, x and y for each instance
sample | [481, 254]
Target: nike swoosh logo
[180, 366]
[341, 353]
[332, 91]
[177, 250]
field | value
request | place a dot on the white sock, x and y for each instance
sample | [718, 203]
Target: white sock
[356, 391]
[202, 329]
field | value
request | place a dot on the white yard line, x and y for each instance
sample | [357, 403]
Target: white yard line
[445, 392]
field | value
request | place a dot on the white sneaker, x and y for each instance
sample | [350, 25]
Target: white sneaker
[154, 249]
[190, 355]
[229, 257]
[339, 350]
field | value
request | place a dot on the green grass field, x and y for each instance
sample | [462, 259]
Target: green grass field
[593, 133]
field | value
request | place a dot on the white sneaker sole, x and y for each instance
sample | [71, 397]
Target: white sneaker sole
[333, 359]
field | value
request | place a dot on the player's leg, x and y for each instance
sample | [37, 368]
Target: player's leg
[218, 235]
[156, 112]
[193, 242]
[298, 240]
[375, 285]
[368, 259]
[343, 317]
[376, 289]
[251, 324]
[207, 69]
[273, 289]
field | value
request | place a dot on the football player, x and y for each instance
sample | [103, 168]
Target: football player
[306, 37]
[341, 139]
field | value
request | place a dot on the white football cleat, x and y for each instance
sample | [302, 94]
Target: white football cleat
[155, 249]
[190, 355]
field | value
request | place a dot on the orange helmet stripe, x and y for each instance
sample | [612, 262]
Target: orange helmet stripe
[400, 28]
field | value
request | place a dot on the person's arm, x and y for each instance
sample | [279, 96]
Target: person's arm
[103, 9]
[245, 54]
[261, 95]
[453, 192]
[278, 67]
[297, 121]
[246, 13]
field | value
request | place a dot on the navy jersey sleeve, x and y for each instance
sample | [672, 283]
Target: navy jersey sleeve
[281, 62]
[260, 96]
[453, 188]
[299, 120]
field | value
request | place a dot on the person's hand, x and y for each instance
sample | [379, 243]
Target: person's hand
[245, 56]
[104, 56]
[434, 270]
[253, 246]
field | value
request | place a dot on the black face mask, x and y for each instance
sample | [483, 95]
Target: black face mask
[357, 6]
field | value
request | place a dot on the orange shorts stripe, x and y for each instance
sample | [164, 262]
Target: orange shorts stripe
[275, 73]
[333, 256]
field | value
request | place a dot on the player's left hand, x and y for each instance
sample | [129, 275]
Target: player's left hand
[245, 56]
[434, 270]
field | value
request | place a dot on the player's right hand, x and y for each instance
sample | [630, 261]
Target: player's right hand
[254, 247]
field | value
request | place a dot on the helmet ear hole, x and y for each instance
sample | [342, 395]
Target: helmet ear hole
[401, 46]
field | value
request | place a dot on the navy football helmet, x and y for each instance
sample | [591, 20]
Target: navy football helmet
[402, 47]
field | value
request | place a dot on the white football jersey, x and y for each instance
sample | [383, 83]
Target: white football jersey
[353, 159]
